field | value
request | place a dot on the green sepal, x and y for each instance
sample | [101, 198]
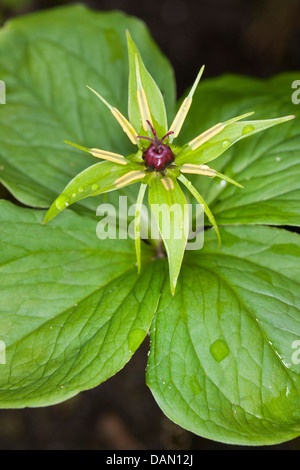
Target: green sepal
[175, 233]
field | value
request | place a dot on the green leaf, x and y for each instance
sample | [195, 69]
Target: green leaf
[46, 60]
[97, 179]
[222, 360]
[266, 164]
[171, 214]
[140, 79]
[73, 309]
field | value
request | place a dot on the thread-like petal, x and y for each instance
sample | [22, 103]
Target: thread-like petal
[205, 136]
[137, 224]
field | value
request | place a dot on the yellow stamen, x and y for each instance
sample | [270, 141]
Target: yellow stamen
[205, 136]
[113, 157]
[197, 169]
[184, 109]
[206, 171]
[168, 183]
[142, 98]
[129, 178]
[124, 123]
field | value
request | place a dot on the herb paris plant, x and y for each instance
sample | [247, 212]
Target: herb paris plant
[223, 360]
[160, 164]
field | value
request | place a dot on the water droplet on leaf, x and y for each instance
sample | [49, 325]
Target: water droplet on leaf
[62, 202]
[248, 129]
[219, 350]
[226, 144]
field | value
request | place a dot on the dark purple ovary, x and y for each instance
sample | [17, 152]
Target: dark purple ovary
[158, 158]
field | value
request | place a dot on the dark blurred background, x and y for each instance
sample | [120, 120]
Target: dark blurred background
[256, 37]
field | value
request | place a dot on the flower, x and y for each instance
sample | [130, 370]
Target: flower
[158, 163]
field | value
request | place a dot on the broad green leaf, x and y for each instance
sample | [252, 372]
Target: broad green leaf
[73, 309]
[171, 214]
[266, 164]
[97, 179]
[46, 61]
[145, 100]
[224, 357]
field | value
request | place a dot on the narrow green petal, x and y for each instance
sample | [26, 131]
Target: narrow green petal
[104, 154]
[200, 199]
[137, 224]
[80, 147]
[124, 123]
[227, 178]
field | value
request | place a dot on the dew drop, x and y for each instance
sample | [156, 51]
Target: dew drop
[219, 350]
[62, 202]
[74, 195]
[226, 144]
[223, 183]
[277, 159]
[248, 129]
[95, 187]
[80, 190]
